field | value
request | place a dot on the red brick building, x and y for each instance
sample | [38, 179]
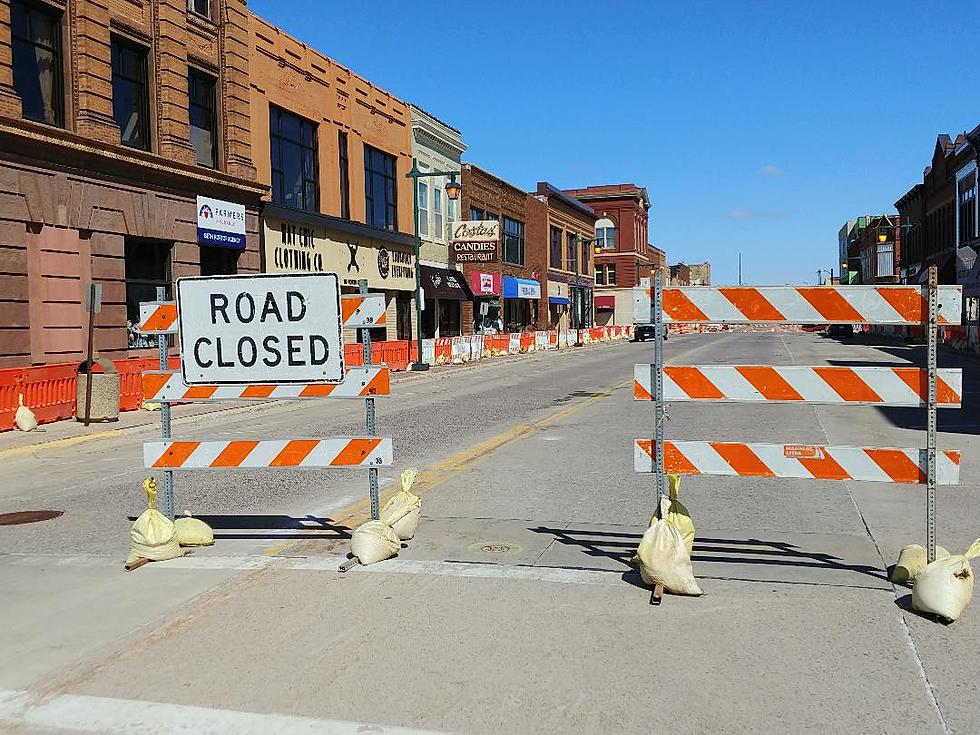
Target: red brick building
[508, 284]
[622, 237]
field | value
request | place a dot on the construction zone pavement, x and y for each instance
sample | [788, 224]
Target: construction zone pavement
[515, 608]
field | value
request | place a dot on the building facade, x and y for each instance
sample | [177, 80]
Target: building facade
[571, 261]
[968, 220]
[114, 118]
[437, 146]
[624, 256]
[680, 274]
[334, 151]
[928, 215]
[877, 249]
[700, 274]
[506, 280]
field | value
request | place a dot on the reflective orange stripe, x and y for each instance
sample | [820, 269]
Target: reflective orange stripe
[295, 451]
[752, 304]
[675, 461]
[355, 451]
[742, 459]
[953, 457]
[200, 391]
[646, 445]
[693, 382]
[680, 308]
[317, 391]
[234, 454]
[152, 383]
[640, 393]
[258, 391]
[824, 469]
[769, 383]
[908, 302]
[163, 318]
[348, 307]
[897, 465]
[176, 454]
[832, 306]
[847, 384]
[380, 385]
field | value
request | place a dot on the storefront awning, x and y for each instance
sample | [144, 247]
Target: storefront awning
[605, 302]
[521, 288]
[443, 283]
[561, 300]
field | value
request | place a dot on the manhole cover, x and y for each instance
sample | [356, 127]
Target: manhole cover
[28, 516]
[495, 548]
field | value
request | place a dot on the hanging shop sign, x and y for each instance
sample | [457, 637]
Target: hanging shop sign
[291, 247]
[475, 241]
[220, 223]
[485, 284]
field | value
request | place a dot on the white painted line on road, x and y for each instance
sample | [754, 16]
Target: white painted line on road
[108, 715]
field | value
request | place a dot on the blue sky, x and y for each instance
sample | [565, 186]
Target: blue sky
[757, 127]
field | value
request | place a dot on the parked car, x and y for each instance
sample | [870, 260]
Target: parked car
[646, 331]
[840, 330]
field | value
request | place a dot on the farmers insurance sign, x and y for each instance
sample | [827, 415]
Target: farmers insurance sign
[220, 223]
[260, 329]
[291, 247]
[476, 241]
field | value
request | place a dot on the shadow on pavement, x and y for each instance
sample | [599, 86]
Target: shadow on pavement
[620, 547]
[251, 527]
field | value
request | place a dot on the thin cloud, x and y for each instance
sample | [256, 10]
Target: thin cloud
[770, 170]
[750, 214]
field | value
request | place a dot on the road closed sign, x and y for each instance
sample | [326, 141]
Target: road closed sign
[267, 329]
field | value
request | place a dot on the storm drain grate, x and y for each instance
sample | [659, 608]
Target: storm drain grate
[28, 516]
[495, 548]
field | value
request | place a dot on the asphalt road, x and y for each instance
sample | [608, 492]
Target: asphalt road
[514, 609]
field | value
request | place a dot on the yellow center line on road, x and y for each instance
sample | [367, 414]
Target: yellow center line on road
[431, 478]
[67, 441]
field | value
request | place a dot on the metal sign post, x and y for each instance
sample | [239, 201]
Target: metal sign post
[931, 368]
[657, 317]
[369, 403]
[163, 343]
[93, 305]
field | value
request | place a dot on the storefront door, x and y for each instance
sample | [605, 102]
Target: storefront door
[449, 319]
[403, 316]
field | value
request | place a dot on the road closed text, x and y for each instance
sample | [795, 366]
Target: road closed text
[261, 329]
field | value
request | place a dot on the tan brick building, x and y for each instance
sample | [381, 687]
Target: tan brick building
[114, 117]
[334, 150]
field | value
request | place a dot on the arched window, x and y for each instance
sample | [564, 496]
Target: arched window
[605, 234]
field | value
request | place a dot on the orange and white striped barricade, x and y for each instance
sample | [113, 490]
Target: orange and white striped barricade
[245, 454]
[443, 351]
[370, 381]
[893, 306]
[366, 382]
[513, 343]
[541, 341]
[873, 386]
[429, 351]
[804, 461]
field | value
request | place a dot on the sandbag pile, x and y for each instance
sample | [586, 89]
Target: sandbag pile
[378, 540]
[664, 555]
[191, 531]
[153, 535]
[945, 587]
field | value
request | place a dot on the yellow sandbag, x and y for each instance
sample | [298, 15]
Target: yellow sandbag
[153, 534]
[374, 541]
[911, 560]
[192, 531]
[24, 418]
[662, 557]
[403, 509]
[945, 587]
[678, 516]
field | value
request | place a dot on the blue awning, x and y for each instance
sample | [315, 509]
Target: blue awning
[558, 300]
[521, 288]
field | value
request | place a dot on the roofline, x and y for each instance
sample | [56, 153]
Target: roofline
[639, 192]
[565, 199]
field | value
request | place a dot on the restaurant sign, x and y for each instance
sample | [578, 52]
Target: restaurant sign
[475, 241]
[305, 248]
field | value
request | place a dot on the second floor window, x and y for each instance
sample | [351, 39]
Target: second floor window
[380, 189]
[554, 247]
[130, 93]
[600, 276]
[605, 234]
[423, 207]
[201, 7]
[295, 169]
[570, 257]
[203, 117]
[610, 274]
[36, 51]
[437, 222]
[968, 208]
[513, 241]
[344, 175]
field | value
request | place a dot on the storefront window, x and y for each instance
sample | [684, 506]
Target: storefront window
[519, 314]
[219, 261]
[489, 323]
[449, 318]
[403, 316]
[147, 266]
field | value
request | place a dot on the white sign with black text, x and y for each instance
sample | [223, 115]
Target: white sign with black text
[265, 328]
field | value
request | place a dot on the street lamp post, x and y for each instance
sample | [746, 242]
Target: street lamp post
[453, 189]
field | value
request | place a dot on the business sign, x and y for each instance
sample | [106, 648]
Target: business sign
[521, 288]
[291, 247]
[220, 223]
[485, 284]
[267, 329]
[476, 241]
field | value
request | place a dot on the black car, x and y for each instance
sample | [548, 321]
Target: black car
[840, 330]
[645, 331]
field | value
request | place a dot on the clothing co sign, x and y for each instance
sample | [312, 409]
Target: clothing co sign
[476, 242]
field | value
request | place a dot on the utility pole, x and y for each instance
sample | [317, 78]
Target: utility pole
[740, 268]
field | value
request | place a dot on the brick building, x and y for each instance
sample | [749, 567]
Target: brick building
[624, 255]
[968, 220]
[658, 264]
[877, 248]
[334, 150]
[680, 274]
[506, 284]
[700, 274]
[928, 213]
[571, 245]
[114, 117]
